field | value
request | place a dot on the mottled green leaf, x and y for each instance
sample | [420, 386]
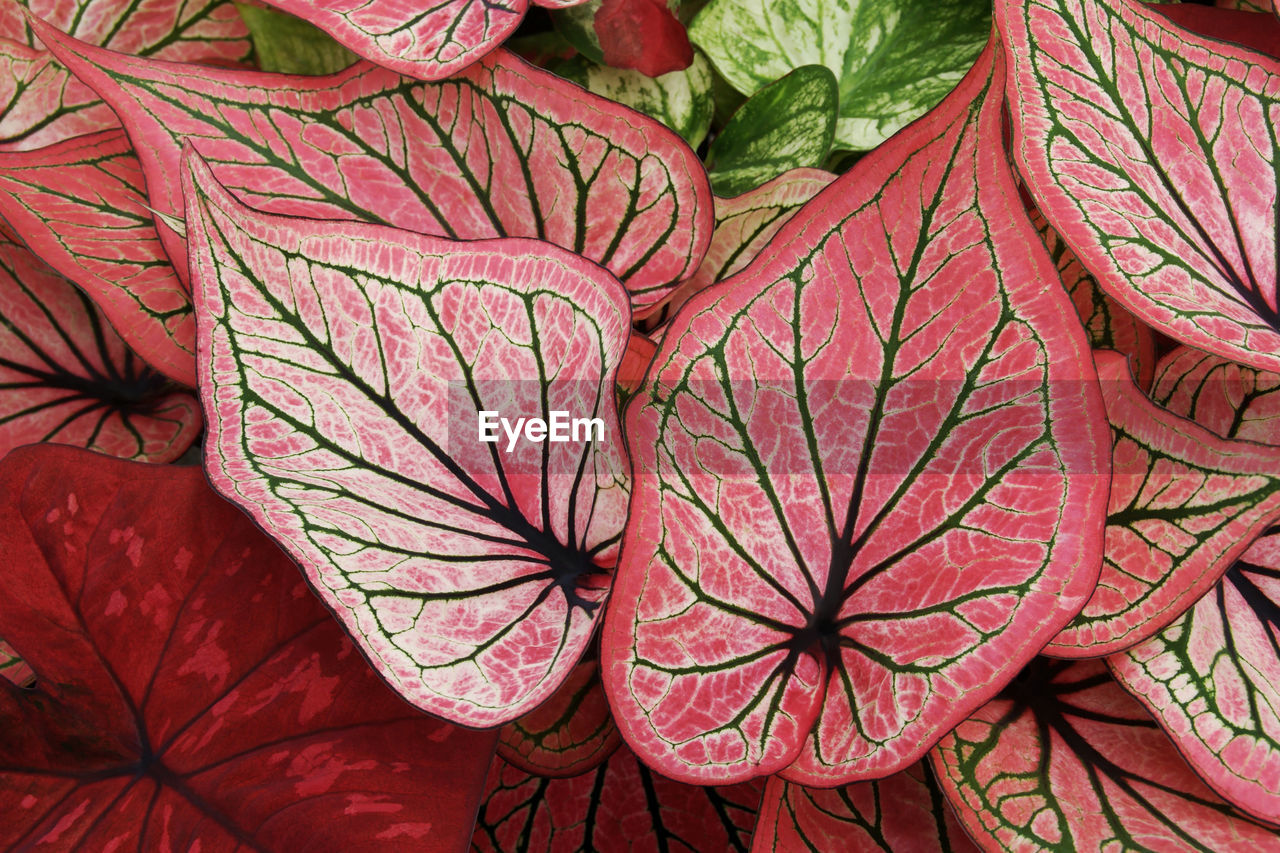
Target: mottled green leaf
[290, 45]
[788, 124]
[895, 59]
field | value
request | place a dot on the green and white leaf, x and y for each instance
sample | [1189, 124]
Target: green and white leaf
[788, 124]
[290, 45]
[577, 25]
[681, 99]
[894, 59]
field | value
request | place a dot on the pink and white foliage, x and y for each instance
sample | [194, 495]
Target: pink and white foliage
[1185, 503]
[825, 429]
[44, 104]
[13, 667]
[80, 205]
[1153, 153]
[67, 377]
[501, 149]
[343, 366]
[1230, 399]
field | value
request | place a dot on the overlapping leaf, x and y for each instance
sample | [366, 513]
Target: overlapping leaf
[622, 805]
[501, 149]
[1230, 399]
[1107, 323]
[191, 692]
[904, 813]
[81, 206]
[642, 34]
[1153, 152]
[827, 429]
[288, 45]
[344, 366]
[43, 104]
[66, 377]
[1065, 760]
[13, 667]
[895, 59]
[1184, 504]
[567, 735]
[1240, 26]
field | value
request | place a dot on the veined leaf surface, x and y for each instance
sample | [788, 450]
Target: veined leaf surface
[191, 693]
[1184, 504]
[344, 366]
[502, 149]
[567, 735]
[1065, 760]
[40, 103]
[1153, 153]
[895, 59]
[13, 667]
[621, 805]
[1230, 399]
[827, 428]
[905, 813]
[66, 377]
[428, 40]
[81, 206]
[1108, 324]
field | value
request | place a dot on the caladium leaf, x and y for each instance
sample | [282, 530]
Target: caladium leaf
[503, 149]
[288, 45]
[80, 205]
[1184, 504]
[66, 377]
[344, 366]
[744, 225]
[905, 813]
[679, 99]
[1264, 6]
[191, 693]
[1153, 152]
[13, 667]
[567, 735]
[895, 59]
[1107, 323]
[1239, 26]
[788, 124]
[1065, 760]
[635, 364]
[43, 104]
[825, 425]
[1230, 399]
[621, 805]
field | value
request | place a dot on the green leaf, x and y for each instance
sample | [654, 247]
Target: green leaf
[681, 99]
[290, 45]
[894, 59]
[577, 25]
[788, 124]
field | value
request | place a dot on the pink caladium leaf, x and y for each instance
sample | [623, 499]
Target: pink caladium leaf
[1230, 399]
[344, 367]
[13, 667]
[828, 427]
[1065, 760]
[67, 377]
[45, 104]
[567, 735]
[1185, 503]
[80, 205]
[743, 225]
[621, 805]
[502, 149]
[1240, 26]
[191, 693]
[1107, 323]
[428, 41]
[904, 813]
[1153, 153]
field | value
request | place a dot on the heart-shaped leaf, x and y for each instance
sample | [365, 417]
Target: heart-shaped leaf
[831, 426]
[895, 59]
[344, 367]
[1065, 760]
[904, 813]
[191, 692]
[81, 206]
[502, 149]
[621, 805]
[66, 377]
[1184, 504]
[788, 124]
[1153, 153]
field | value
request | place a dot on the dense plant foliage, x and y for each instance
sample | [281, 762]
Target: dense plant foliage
[655, 424]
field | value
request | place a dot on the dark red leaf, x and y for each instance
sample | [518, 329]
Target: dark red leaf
[1245, 28]
[644, 35]
[192, 694]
